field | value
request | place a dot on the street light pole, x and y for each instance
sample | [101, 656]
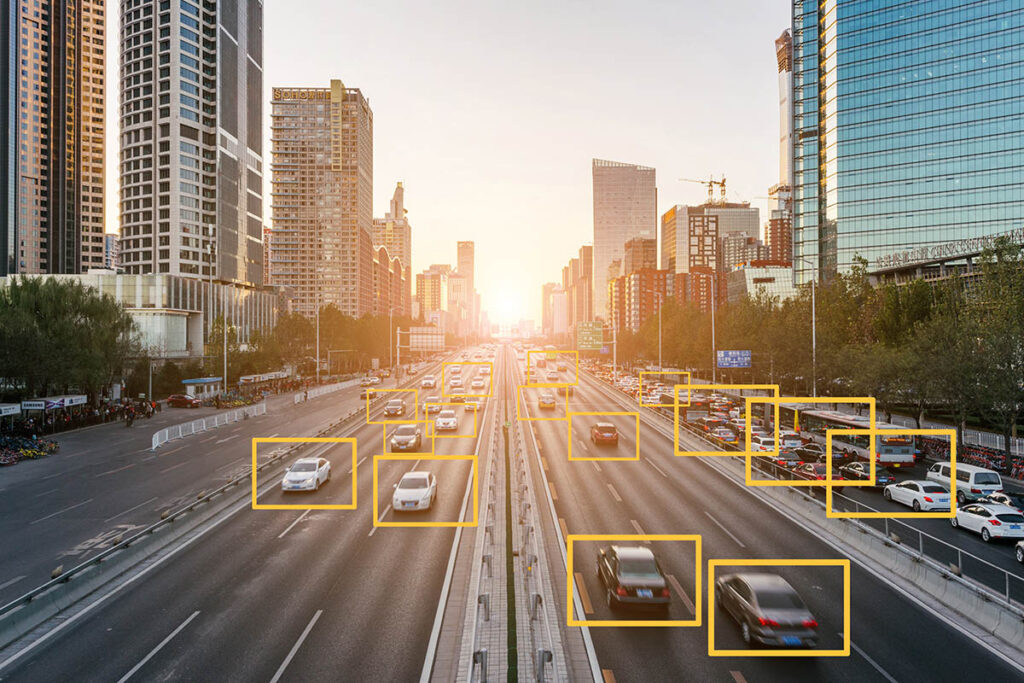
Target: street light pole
[814, 327]
[714, 350]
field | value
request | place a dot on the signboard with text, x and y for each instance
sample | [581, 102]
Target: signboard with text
[734, 359]
[590, 336]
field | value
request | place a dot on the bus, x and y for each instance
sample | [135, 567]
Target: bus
[891, 450]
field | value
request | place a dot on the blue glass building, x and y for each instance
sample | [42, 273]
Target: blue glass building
[908, 126]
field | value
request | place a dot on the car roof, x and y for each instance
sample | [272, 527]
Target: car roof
[603, 424]
[633, 552]
[397, 400]
[417, 474]
[307, 460]
[998, 508]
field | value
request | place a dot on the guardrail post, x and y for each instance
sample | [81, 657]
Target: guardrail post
[480, 658]
[486, 559]
[536, 600]
[484, 599]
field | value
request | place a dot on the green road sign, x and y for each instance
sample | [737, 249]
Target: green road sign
[590, 336]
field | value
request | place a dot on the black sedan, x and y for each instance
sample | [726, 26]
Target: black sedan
[768, 610]
[632, 577]
[861, 471]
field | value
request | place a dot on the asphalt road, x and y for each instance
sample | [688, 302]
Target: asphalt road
[893, 638]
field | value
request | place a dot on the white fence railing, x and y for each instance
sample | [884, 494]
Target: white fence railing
[206, 423]
[301, 396]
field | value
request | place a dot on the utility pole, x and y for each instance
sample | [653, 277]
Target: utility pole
[714, 350]
[814, 327]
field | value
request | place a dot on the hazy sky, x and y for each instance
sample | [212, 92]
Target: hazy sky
[490, 112]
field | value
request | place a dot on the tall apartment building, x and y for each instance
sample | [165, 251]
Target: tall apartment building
[432, 289]
[690, 235]
[191, 143]
[52, 131]
[736, 248]
[907, 128]
[111, 252]
[465, 265]
[577, 283]
[393, 231]
[637, 295]
[322, 193]
[625, 206]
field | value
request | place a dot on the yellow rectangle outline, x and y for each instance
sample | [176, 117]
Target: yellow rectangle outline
[844, 563]
[490, 378]
[713, 387]
[777, 401]
[474, 461]
[636, 417]
[552, 385]
[951, 433]
[415, 407]
[305, 439]
[430, 423]
[384, 436]
[640, 398]
[520, 416]
[641, 538]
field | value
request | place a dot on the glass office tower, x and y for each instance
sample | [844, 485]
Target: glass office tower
[908, 126]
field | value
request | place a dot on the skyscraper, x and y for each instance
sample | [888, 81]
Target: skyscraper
[322, 193]
[907, 127]
[191, 158]
[465, 265]
[393, 231]
[52, 139]
[625, 206]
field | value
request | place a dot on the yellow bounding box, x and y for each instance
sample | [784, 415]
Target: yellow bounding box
[688, 388]
[472, 459]
[256, 505]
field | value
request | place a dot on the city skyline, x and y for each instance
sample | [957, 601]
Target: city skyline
[461, 163]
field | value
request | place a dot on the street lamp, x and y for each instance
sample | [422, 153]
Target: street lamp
[814, 327]
[661, 304]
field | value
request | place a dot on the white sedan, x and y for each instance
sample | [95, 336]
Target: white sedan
[414, 491]
[446, 421]
[477, 383]
[990, 520]
[307, 474]
[920, 495]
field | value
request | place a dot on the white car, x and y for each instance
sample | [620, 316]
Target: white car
[375, 380]
[455, 383]
[428, 382]
[446, 421]
[485, 370]
[763, 444]
[990, 520]
[307, 474]
[920, 495]
[477, 383]
[414, 491]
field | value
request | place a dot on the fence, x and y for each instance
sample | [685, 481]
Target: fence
[206, 423]
[305, 395]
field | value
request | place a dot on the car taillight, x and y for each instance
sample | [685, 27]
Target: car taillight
[620, 591]
[975, 490]
[767, 622]
[928, 499]
[995, 522]
[664, 592]
[810, 623]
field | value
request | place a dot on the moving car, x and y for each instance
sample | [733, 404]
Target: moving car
[762, 444]
[812, 452]
[552, 376]
[183, 401]
[768, 609]
[546, 401]
[375, 380]
[406, 438]
[632, 576]
[920, 495]
[787, 458]
[473, 404]
[725, 435]
[990, 520]
[815, 471]
[862, 471]
[428, 382]
[604, 432]
[455, 383]
[414, 491]
[306, 474]
[972, 482]
[431, 405]
[394, 407]
[446, 421]
[477, 383]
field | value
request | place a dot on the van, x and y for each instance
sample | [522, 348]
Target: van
[972, 482]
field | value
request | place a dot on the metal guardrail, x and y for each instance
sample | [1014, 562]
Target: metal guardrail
[306, 395]
[206, 423]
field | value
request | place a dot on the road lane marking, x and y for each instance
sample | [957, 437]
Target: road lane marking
[873, 663]
[51, 476]
[565, 529]
[730, 534]
[660, 471]
[380, 519]
[158, 648]
[639, 529]
[299, 519]
[551, 485]
[596, 466]
[608, 676]
[233, 436]
[209, 438]
[272, 435]
[173, 450]
[544, 463]
[615, 494]
[295, 647]
[682, 594]
[13, 581]
[357, 464]
[120, 514]
[54, 514]
[737, 677]
[584, 595]
[119, 469]
[44, 493]
[233, 463]
[173, 467]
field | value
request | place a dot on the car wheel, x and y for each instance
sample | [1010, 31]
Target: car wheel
[1020, 554]
[745, 630]
[916, 506]
[887, 494]
[953, 522]
[985, 535]
[960, 497]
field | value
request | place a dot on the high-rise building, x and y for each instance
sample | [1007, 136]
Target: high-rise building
[636, 296]
[546, 322]
[737, 248]
[691, 235]
[191, 143]
[52, 140]
[111, 252]
[393, 231]
[322, 193]
[784, 57]
[778, 234]
[907, 128]
[432, 289]
[465, 264]
[625, 206]
[640, 252]
[390, 288]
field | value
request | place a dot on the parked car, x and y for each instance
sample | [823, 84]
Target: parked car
[861, 471]
[406, 438]
[972, 482]
[306, 474]
[604, 432]
[990, 520]
[632, 577]
[920, 495]
[768, 609]
[394, 407]
[414, 491]
[183, 401]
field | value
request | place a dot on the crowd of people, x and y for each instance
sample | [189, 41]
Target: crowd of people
[938, 449]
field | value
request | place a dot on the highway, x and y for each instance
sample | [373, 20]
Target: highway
[893, 637]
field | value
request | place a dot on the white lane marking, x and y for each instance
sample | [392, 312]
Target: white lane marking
[873, 663]
[296, 646]
[639, 529]
[54, 514]
[659, 470]
[233, 436]
[272, 435]
[119, 514]
[11, 582]
[119, 469]
[682, 593]
[596, 466]
[173, 467]
[297, 520]
[615, 494]
[722, 527]
[44, 493]
[233, 463]
[358, 463]
[381, 519]
[158, 648]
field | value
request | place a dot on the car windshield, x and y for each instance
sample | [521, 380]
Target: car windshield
[1011, 518]
[638, 567]
[446, 413]
[304, 467]
[413, 482]
[933, 488]
[986, 478]
[394, 404]
[405, 430]
[776, 599]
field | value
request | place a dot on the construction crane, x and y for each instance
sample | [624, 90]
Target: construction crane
[710, 183]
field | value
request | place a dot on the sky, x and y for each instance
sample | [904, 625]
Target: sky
[491, 112]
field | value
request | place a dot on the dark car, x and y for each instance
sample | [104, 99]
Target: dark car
[604, 432]
[788, 458]
[183, 401]
[1013, 500]
[767, 609]
[394, 407]
[406, 438]
[861, 471]
[632, 577]
[814, 471]
[811, 452]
